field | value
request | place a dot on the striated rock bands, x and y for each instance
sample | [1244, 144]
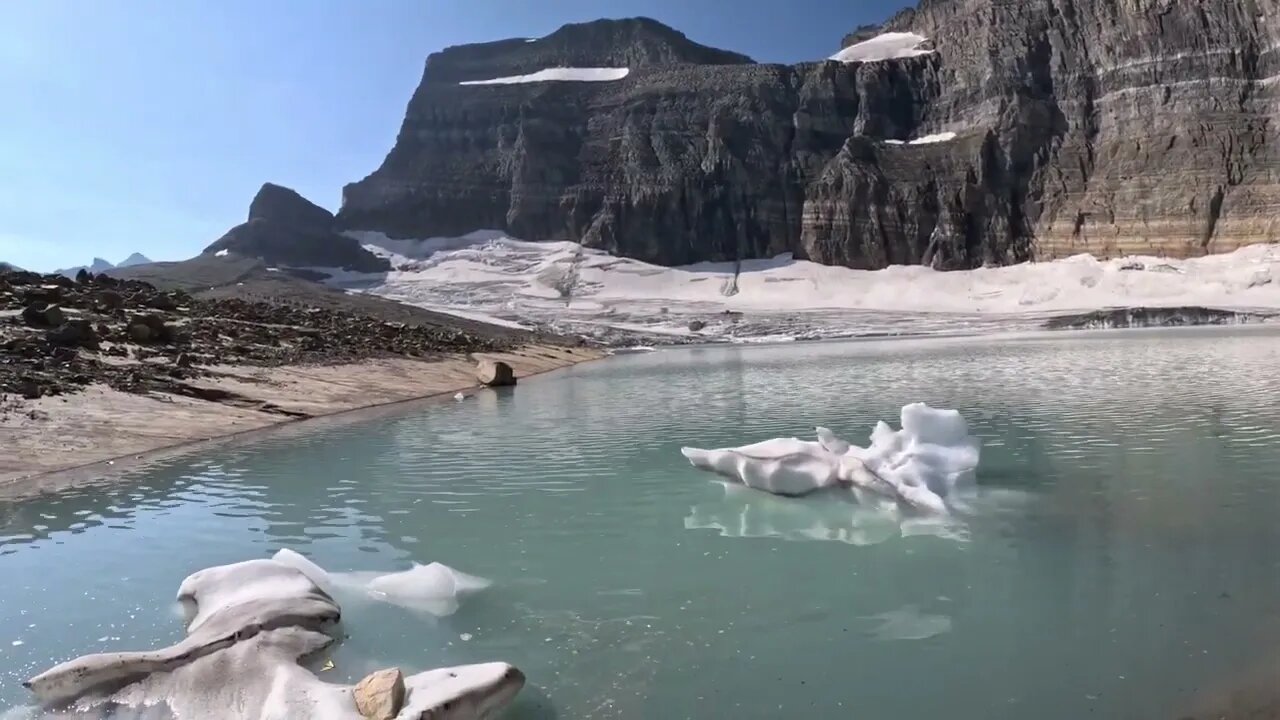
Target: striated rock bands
[1103, 126]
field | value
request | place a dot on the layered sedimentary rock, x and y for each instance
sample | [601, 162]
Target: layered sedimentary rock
[1057, 126]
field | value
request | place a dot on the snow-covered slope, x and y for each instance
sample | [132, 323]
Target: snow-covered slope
[563, 74]
[561, 284]
[889, 46]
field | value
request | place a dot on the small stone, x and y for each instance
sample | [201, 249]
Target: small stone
[697, 325]
[380, 695]
[162, 302]
[495, 373]
[139, 333]
[184, 360]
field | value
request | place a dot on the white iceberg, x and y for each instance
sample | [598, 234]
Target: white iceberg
[918, 467]
[888, 46]
[435, 588]
[251, 625]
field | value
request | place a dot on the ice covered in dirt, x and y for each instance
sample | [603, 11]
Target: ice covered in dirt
[252, 626]
[917, 468]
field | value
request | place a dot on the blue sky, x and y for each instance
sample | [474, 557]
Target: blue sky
[147, 125]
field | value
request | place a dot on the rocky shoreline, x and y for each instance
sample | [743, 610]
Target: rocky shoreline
[95, 369]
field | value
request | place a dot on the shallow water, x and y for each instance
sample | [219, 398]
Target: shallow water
[1121, 563]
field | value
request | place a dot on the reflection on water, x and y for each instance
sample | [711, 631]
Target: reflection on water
[1120, 560]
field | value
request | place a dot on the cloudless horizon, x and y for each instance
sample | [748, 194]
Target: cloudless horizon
[148, 127]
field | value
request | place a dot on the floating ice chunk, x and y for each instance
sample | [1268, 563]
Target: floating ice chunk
[435, 588]
[460, 397]
[569, 74]
[888, 46]
[240, 660]
[917, 467]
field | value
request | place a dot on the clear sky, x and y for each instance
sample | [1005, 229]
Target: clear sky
[147, 125]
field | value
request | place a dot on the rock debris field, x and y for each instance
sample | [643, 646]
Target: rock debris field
[58, 335]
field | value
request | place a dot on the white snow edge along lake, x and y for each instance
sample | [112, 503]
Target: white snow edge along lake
[557, 74]
[488, 275]
[888, 46]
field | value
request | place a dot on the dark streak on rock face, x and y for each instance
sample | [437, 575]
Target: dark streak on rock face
[1103, 126]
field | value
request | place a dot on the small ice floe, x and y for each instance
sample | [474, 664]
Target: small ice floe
[436, 588]
[460, 397]
[918, 467]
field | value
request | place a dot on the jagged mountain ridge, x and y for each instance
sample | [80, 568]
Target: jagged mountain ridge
[100, 265]
[1108, 126]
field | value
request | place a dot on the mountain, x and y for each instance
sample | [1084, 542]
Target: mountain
[959, 133]
[134, 259]
[100, 266]
[9, 267]
[285, 228]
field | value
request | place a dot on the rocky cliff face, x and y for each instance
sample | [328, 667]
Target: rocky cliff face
[1104, 126]
[285, 228]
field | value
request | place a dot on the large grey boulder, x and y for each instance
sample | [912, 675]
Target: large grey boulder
[495, 373]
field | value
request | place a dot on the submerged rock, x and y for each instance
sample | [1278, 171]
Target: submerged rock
[495, 373]
[380, 695]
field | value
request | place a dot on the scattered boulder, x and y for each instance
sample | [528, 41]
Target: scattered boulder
[38, 314]
[139, 332]
[74, 333]
[110, 300]
[495, 373]
[83, 277]
[697, 325]
[380, 695]
[184, 360]
[162, 302]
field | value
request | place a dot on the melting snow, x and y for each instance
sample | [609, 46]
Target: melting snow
[552, 74]
[889, 46]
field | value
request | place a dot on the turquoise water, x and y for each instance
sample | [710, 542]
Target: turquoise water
[1121, 563]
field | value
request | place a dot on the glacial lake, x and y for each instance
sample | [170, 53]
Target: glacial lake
[1121, 561]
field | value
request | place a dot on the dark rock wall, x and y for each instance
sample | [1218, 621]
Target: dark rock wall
[1104, 126]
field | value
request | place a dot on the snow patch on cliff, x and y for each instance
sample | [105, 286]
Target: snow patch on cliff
[560, 74]
[925, 140]
[889, 46]
[564, 286]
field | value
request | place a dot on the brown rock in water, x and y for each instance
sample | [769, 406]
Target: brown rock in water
[39, 315]
[495, 373]
[380, 695]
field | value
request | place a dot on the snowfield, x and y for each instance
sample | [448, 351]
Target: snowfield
[560, 74]
[926, 140]
[563, 286]
[889, 46]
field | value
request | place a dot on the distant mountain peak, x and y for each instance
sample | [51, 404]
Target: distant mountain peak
[134, 259]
